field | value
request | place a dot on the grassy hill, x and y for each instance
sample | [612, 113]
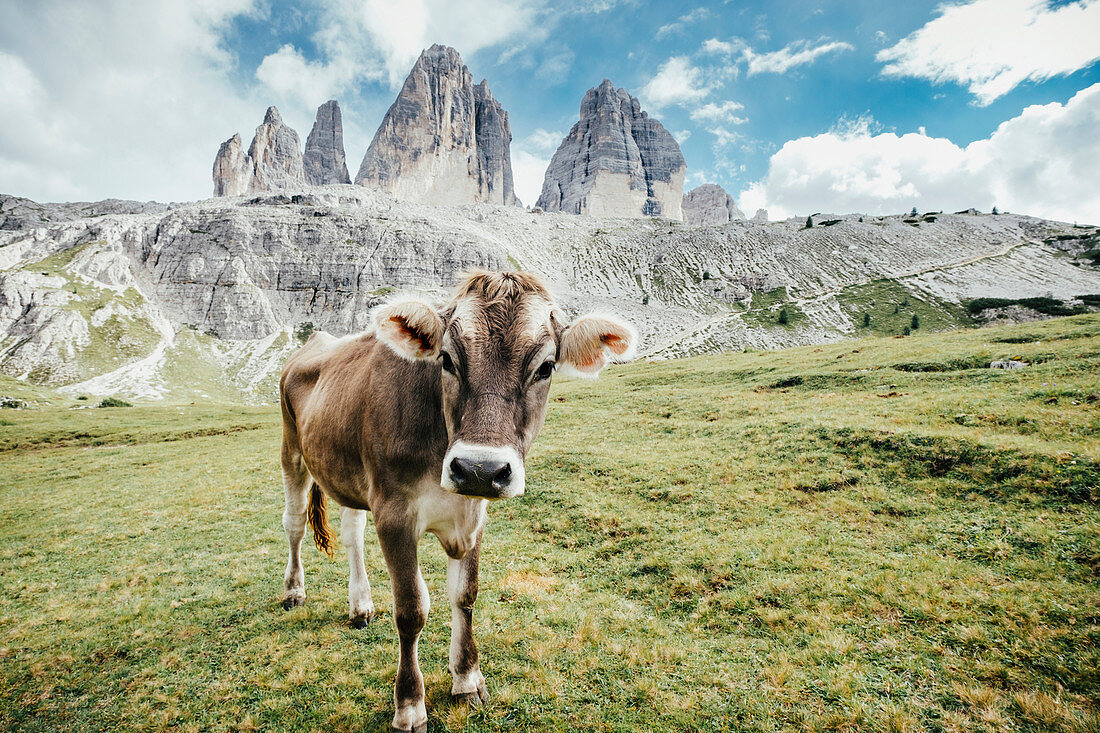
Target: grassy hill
[881, 534]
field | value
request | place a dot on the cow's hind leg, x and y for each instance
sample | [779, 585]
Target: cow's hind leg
[410, 612]
[296, 483]
[360, 605]
[468, 684]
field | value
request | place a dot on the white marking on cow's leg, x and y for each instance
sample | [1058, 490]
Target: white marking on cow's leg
[410, 612]
[296, 485]
[468, 683]
[360, 605]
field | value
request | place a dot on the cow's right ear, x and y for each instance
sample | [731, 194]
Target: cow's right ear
[411, 328]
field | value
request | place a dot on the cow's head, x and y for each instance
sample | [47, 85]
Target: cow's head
[497, 343]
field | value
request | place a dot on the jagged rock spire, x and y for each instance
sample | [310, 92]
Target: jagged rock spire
[616, 161]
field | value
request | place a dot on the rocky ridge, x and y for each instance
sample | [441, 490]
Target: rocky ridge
[443, 140]
[209, 297]
[615, 161]
[709, 204]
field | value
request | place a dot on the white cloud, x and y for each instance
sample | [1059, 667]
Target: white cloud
[682, 136]
[715, 47]
[542, 142]
[719, 112]
[682, 22]
[401, 30]
[528, 172]
[1041, 162]
[676, 82]
[991, 46]
[288, 74]
[790, 56]
[127, 102]
[530, 158]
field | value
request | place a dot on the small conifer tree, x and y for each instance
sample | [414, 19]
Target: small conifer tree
[906, 331]
[866, 320]
[916, 322]
[783, 317]
[809, 222]
[913, 212]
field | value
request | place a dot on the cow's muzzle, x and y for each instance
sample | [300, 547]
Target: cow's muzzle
[485, 471]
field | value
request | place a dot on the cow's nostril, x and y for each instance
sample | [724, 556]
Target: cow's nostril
[503, 474]
[458, 471]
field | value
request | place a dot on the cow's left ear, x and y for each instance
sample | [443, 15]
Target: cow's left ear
[411, 328]
[590, 342]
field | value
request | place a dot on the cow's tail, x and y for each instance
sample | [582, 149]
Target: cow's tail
[317, 515]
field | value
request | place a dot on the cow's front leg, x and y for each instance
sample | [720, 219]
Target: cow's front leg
[410, 612]
[468, 683]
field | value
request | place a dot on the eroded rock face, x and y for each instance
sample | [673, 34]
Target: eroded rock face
[232, 169]
[443, 140]
[323, 160]
[273, 162]
[761, 215]
[710, 205]
[616, 161]
[494, 140]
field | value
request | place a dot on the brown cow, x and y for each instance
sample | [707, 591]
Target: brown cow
[420, 420]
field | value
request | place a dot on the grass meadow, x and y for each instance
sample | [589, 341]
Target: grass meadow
[876, 535]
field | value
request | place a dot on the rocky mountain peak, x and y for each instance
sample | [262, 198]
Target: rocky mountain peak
[443, 140]
[709, 204]
[274, 160]
[324, 161]
[616, 161]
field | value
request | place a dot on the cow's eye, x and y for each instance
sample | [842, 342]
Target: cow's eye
[448, 362]
[544, 371]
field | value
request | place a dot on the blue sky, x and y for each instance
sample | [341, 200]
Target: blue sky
[794, 106]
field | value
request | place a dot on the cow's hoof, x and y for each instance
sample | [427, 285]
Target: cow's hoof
[472, 699]
[292, 601]
[360, 622]
[421, 728]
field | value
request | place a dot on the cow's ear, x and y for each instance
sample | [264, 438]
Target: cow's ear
[410, 327]
[590, 342]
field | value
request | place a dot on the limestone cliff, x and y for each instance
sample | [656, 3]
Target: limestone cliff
[710, 205]
[443, 140]
[616, 161]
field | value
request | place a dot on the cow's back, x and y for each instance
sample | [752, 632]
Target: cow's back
[361, 416]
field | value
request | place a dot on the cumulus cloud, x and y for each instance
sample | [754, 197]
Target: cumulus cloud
[991, 46]
[530, 158]
[116, 102]
[1041, 162]
[794, 54]
[677, 82]
[719, 112]
[288, 74]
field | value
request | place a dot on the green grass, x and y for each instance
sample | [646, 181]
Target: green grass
[804, 539]
[892, 306]
[765, 307]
